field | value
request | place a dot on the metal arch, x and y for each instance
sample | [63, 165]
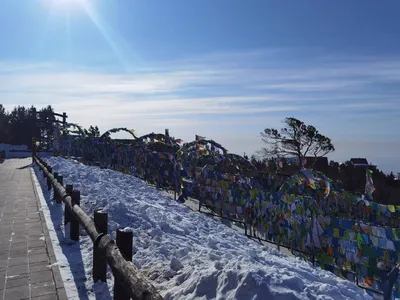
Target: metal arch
[80, 130]
[160, 137]
[113, 130]
[241, 158]
[187, 146]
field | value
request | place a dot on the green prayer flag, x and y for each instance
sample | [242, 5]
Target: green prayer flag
[336, 233]
[396, 233]
[360, 242]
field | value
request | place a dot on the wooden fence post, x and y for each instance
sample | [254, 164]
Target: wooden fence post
[55, 193]
[61, 181]
[74, 227]
[124, 243]
[45, 167]
[67, 214]
[48, 179]
[99, 260]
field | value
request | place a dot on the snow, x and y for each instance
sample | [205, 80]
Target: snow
[10, 154]
[9, 149]
[101, 210]
[126, 229]
[183, 253]
[73, 258]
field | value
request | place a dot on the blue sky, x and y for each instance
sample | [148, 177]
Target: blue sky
[221, 69]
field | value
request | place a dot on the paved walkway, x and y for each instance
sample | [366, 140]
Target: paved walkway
[26, 252]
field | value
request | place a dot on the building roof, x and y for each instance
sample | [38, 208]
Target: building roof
[359, 161]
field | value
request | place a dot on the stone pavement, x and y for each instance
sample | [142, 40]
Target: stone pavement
[26, 252]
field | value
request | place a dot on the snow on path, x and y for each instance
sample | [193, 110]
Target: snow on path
[73, 258]
[9, 150]
[188, 255]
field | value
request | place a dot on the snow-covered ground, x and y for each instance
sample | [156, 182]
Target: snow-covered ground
[9, 149]
[183, 253]
[73, 258]
[10, 154]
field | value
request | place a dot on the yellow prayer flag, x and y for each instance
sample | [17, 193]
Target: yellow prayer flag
[391, 208]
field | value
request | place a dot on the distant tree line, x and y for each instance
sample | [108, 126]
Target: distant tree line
[17, 127]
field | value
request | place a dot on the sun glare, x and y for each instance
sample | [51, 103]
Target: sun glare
[65, 5]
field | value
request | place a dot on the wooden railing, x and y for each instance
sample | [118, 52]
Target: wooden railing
[129, 282]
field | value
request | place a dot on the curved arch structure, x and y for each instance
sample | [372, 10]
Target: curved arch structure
[211, 146]
[114, 130]
[157, 142]
[234, 163]
[307, 182]
[77, 127]
[200, 153]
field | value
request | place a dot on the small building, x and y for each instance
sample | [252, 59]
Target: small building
[362, 163]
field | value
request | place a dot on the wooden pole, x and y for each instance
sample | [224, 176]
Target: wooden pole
[74, 227]
[124, 243]
[60, 179]
[56, 178]
[67, 214]
[34, 135]
[64, 119]
[48, 184]
[50, 169]
[99, 260]
[134, 283]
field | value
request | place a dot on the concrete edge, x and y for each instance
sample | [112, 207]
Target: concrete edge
[59, 285]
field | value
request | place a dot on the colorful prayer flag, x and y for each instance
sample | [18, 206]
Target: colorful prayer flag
[200, 138]
[369, 185]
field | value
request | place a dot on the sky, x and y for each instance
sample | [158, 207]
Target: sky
[222, 69]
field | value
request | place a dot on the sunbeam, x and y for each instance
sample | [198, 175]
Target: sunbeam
[107, 35]
[71, 7]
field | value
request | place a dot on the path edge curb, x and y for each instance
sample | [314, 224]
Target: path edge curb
[58, 281]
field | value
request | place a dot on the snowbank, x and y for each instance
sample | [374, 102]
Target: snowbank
[10, 154]
[74, 259]
[9, 149]
[188, 255]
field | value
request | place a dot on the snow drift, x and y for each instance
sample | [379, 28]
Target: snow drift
[188, 255]
[13, 151]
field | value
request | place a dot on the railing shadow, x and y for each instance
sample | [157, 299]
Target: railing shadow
[103, 292]
[70, 249]
[24, 167]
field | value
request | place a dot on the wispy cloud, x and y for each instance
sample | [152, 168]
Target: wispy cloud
[222, 91]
